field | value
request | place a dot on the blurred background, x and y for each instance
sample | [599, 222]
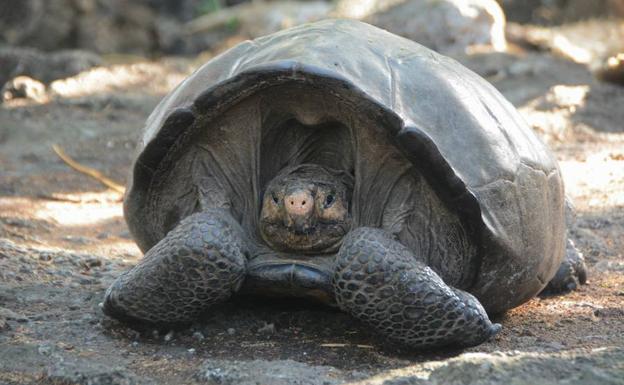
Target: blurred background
[585, 31]
[78, 78]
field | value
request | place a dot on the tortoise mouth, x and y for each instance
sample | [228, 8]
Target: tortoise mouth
[321, 238]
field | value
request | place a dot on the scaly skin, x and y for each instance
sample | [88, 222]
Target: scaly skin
[198, 264]
[202, 262]
[381, 282]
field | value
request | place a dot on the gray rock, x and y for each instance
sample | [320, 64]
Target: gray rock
[283, 372]
[42, 66]
[447, 26]
[604, 366]
[9, 314]
[92, 374]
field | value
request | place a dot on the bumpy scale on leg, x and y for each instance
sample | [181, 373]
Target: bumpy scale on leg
[199, 263]
[379, 281]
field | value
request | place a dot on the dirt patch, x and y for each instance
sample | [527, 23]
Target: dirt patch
[64, 240]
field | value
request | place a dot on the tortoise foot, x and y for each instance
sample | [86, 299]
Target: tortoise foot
[381, 282]
[571, 274]
[199, 263]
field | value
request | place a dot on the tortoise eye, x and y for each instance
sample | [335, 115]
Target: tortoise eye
[329, 200]
[275, 198]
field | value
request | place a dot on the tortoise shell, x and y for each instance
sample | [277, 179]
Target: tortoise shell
[439, 157]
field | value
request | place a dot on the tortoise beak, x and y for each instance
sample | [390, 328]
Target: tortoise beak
[302, 227]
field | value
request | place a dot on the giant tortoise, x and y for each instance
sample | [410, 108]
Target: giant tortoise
[339, 162]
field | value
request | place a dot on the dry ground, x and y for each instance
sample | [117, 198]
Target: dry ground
[63, 240]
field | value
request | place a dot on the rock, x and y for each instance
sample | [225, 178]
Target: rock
[4, 326]
[558, 12]
[282, 372]
[198, 336]
[36, 23]
[251, 20]
[9, 314]
[105, 26]
[607, 265]
[448, 26]
[45, 349]
[604, 366]
[169, 336]
[42, 66]
[268, 328]
[612, 70]
[23, 87]
[89, 374]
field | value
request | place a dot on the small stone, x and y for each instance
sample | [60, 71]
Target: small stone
[44, 350]
[198, 336]
[191, 351]
[169, 336]
[231, 331]
[267, 329]
[91, 262]
[135, 344]
[86, 281]
[23, 87]
[77, 240]
[11, 315]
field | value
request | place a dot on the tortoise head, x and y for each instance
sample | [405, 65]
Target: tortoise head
[306, 209]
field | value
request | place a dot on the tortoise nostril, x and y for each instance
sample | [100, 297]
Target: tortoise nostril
[303, 203]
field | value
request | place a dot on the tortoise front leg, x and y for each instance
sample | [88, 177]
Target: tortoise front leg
[380, 281]
[199, 263]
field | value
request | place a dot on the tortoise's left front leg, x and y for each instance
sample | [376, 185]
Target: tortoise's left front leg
[381, 282]
[199, 263]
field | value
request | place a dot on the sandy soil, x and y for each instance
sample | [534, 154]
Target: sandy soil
[63, 240]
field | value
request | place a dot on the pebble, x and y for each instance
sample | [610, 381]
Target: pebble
[231, 331]
[198, 336]
[86, 281]
[267, 329]
[11, 315]
[77, 240]
[169, 336]
[44, 350]
[191, 351]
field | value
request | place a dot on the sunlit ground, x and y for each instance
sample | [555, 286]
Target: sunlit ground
[597, 182]
[90, 222]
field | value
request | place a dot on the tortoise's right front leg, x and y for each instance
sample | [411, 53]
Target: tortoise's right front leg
[199, 263]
